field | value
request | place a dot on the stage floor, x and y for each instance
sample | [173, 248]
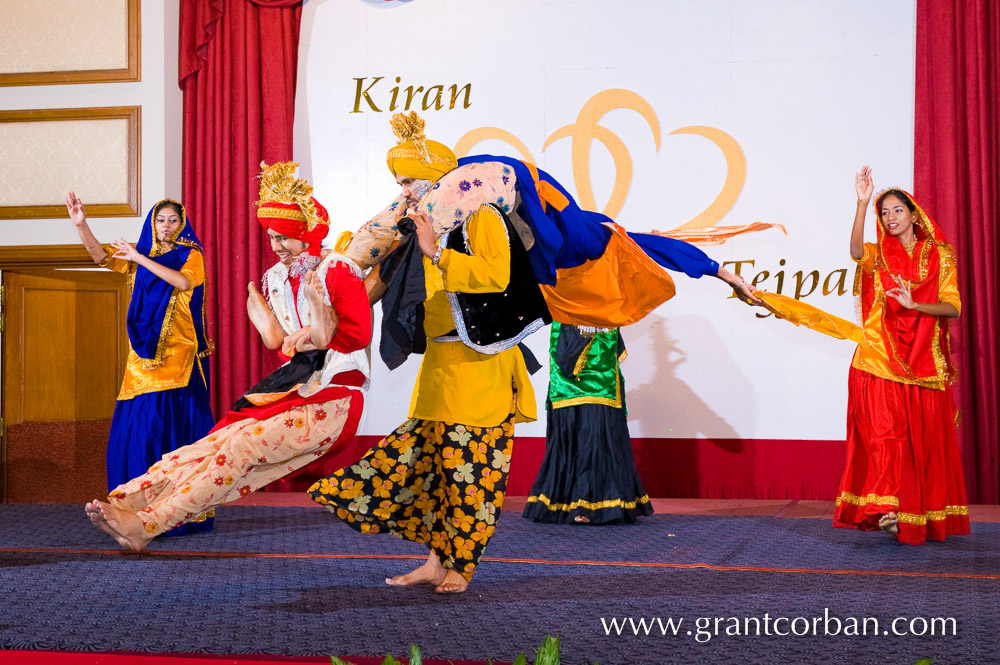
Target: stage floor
[291, 580]
[746, 507]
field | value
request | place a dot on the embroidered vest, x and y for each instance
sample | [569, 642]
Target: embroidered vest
[494, 322]
[292, 312]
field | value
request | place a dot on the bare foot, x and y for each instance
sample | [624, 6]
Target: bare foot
[889, 523]
[453, 582]
[431, 572]
[97, 519]
[581, 519]
[91, 507]
[125, 525]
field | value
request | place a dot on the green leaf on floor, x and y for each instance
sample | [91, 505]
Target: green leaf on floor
[548, 653]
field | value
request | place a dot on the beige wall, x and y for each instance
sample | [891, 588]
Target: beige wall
[161, 101]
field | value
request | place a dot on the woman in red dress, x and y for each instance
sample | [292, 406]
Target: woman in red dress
[903, 473]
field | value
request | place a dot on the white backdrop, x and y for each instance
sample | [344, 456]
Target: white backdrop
[808, 90]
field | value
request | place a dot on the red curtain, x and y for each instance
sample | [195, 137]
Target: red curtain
[957, 180]
[237, 70]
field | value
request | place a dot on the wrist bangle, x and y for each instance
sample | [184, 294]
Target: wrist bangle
[96, 244]
[437, 257]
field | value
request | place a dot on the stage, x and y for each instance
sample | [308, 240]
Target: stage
[282, 580]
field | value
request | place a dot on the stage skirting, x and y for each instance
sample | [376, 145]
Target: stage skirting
[684, 468]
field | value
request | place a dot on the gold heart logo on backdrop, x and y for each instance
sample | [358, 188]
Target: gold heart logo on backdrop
[586, 129]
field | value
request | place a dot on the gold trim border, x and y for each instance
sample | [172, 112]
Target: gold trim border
[127, 208]
[132, 71]
[581, 503]
[587, 399]
[908, 518]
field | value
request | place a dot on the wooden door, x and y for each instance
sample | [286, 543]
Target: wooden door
[64, 352]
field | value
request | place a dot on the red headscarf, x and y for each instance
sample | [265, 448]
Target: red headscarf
[917, 344]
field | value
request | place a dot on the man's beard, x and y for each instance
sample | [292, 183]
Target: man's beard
[419, 189]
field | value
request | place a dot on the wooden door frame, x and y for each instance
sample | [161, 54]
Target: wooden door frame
[26, 257]
[20, 257]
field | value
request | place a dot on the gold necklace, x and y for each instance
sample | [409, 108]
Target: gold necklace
[909, 247]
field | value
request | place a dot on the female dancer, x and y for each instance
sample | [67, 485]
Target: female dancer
[588, 474]
[164, 400]
[903, 473]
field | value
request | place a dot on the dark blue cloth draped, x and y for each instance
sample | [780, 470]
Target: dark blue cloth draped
[569, 237]
[151, 425]
[151, 295]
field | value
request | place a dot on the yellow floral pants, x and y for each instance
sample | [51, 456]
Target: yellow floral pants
[431, 482]
[232, 462]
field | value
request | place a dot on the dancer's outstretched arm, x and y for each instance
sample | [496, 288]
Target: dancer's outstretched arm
[127, 252]
[901, 294]
[78, 215]
[742, 288]
[864, 186]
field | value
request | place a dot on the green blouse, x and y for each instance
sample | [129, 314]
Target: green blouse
[583, 369]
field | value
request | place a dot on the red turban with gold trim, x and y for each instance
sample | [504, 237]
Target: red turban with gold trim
[286, 206]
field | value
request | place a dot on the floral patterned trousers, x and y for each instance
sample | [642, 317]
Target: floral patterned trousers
[431, 482]
[234, 461]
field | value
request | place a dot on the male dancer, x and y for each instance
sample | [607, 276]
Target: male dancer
[439, 478]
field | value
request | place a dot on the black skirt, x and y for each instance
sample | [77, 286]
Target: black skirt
[588, 469]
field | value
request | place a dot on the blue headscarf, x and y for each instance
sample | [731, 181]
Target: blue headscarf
[152, 308]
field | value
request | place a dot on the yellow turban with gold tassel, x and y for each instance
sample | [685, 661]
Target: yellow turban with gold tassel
[414, 156]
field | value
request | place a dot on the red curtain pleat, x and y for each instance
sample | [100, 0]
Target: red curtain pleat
[238, 64]
[957, 180]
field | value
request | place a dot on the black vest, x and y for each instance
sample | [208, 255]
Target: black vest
[494, 322]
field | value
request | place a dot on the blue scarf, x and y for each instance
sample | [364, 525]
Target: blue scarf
[151, 296]
[569, 237]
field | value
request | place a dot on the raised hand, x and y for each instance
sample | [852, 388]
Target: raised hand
[901, 293]
[74, 206]
[425, 233]
[123, 250]
[863, 184]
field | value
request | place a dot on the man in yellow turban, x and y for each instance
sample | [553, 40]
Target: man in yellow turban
[419, 166]
[416, 162]
[440, 478]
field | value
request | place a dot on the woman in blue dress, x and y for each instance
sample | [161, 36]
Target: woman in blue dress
[163, 403]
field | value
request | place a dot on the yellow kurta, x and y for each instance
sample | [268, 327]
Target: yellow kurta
[455, 383]
[872, 356]
[178, 341]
